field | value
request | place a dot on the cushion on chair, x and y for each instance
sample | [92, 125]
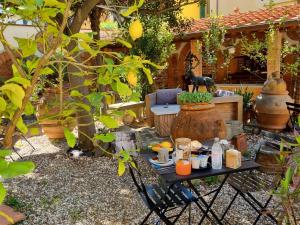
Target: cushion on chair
[167, 96]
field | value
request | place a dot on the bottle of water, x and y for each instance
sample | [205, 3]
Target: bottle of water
[216, 155]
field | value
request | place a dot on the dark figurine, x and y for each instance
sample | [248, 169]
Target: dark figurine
[196, 81]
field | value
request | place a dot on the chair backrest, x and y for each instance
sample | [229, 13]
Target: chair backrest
[139, 183]
[167, 96]
[293, 107]
[294, 111]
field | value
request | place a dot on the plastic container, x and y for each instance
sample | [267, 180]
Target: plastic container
[216, 155]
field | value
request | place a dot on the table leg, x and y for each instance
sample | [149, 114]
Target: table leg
[213, 200]
[208, 206]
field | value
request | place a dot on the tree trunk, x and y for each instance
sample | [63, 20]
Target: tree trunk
[86, 125]
[95, 22]
[85, 120]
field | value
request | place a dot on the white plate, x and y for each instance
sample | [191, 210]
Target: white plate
[157, 163]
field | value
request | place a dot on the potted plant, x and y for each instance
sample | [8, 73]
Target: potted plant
[247, 103]
[198, 118]
[49, 114]
[195, 100]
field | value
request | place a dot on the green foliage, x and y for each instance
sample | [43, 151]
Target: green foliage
[288, 67]
[105, 137]
[12, 169]
[247, 96]
[124, 157]
[213, 40]
[15, 203]
[195, 97]
[288, 190]
[71, 139]
[156, 44]
[254, 48]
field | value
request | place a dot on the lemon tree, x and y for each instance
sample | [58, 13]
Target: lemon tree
[55, 51]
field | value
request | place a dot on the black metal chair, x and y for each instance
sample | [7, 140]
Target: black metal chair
[245, 183]
[162, 199]
[294, 111]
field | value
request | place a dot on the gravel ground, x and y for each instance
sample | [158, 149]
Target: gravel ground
[87, 191]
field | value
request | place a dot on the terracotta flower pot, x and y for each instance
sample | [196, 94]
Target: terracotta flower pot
[48, 109]
[198, 121]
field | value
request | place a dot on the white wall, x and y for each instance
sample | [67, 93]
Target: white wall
[226, 7]
[20, 31]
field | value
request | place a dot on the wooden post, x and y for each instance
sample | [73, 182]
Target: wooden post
[273, 57]
[196, 47]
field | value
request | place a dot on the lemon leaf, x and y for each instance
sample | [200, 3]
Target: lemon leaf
[123, 42]
[148, 74]
[29, 109]
[70, 137]
[14, 92]
[109, 122]
[121, 167]
[20, 80]
[75, 93]
[34, 131]
[21, 126]
[105, 137]
[2, 195]
[2, 104]
[130, 10]
[27, 46]
[4, 153]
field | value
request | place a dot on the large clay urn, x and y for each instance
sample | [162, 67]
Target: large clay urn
[271, 109]
[198, 121]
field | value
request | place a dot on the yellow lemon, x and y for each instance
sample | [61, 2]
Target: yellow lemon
[132, 78]
[166, 144]
[136, 29]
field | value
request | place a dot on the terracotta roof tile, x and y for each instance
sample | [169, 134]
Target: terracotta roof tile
[290, 12]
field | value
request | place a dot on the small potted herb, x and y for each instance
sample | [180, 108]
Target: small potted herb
[194, 100]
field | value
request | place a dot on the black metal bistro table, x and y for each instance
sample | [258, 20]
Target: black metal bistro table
[169, 175]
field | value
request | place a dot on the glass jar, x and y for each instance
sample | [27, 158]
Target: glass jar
[184, 145]
[183, 167]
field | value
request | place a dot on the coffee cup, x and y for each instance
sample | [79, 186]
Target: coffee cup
[163, 155]
[203, 160]
[195, 162]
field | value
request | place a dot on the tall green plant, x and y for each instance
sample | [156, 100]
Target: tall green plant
[247, 96]
[213, 39]
[256, 49]
[156, 44]
[288, 190]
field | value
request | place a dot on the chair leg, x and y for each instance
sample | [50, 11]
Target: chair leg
[146, 218]
[190, 208]
[229, 206]
[163, 217]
